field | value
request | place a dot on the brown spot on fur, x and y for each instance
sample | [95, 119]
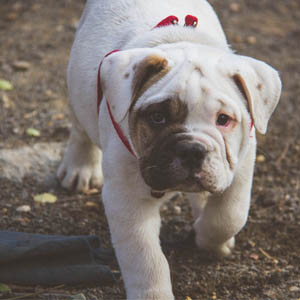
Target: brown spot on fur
[228, 156]
[204, 90]
[197, 68]
[259, 86]
[126, 75]
[148, 72]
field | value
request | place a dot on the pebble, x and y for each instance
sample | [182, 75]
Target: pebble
[24, 208]
[177, 210]
[234, 7]
[294, 289]
[251, 40]
[260, 158]
[21, 65]
[11, 16]
[237, 39]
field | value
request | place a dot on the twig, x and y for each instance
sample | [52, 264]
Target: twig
[283, 153]
[268, 255]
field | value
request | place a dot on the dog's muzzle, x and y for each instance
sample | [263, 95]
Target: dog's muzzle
[174, 165]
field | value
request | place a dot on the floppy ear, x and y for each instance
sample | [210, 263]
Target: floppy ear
[259, 83]
[126, 75]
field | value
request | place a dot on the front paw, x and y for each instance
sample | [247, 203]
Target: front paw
[80, 170]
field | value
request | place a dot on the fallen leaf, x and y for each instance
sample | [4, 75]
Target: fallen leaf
[32, 132]
[4, 288]
[5, 85]
[91, 192]
[45, 198]
[91, 204]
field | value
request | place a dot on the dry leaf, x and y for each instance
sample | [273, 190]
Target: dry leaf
[4, 288]
[5, 85]
[91, 204]
[32, 132]
[45, 198]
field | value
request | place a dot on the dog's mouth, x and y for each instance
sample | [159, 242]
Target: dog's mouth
[167, 178]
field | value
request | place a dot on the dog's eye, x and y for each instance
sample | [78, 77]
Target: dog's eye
[223, 120]
[157, 118]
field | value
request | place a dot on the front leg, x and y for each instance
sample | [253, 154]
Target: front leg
[225, 214]
[134, 223]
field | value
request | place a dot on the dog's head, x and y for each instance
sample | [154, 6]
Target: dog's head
[188, 111]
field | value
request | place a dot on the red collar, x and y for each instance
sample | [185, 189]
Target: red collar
[117, 127]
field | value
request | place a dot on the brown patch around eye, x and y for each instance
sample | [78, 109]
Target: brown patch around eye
[145, 135]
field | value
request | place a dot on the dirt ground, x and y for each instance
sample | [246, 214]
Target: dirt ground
[266, 261]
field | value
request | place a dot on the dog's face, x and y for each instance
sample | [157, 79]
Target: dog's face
[188, 111]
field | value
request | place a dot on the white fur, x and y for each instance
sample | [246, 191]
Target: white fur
[132, 213]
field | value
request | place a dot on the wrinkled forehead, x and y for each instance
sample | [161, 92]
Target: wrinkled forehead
[194, 75]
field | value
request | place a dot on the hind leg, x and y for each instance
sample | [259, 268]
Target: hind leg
[80, 168]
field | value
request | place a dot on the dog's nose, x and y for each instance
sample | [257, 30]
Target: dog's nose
[191, 154]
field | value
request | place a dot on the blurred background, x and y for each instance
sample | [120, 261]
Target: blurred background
[35, 40]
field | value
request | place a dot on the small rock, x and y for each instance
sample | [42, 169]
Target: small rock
[251, 40]
[237, 39]
[11, 16]
[260, 158]
[294, 289]
[234, 7]
[254, 256]
[74, 23]
[24, 208]
[21, 65]
[7, 102]
[177, 210]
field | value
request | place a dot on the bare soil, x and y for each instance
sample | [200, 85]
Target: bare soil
[266, 261]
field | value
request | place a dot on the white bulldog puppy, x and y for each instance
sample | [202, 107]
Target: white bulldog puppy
[176, 113]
